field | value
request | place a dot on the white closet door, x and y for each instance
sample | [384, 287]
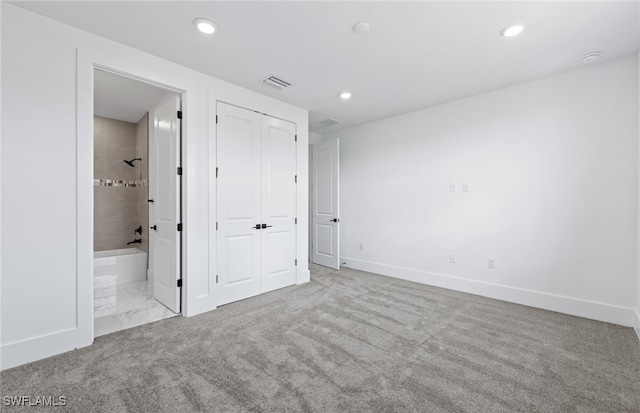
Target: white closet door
[278, 203]
[238, 203]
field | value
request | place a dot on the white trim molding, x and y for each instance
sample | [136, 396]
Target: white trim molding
[304, 276]
[637, 324]
[33, 349]
[562, 304]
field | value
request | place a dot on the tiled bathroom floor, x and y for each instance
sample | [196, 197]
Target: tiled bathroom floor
[118, 307]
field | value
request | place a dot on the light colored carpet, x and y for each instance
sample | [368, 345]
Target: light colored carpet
[349, 341]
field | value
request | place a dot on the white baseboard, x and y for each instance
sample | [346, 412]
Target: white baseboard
[30, 350]
[637, 323]
[568, 305]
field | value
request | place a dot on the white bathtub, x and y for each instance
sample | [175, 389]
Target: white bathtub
[111, 268]
[119, 266]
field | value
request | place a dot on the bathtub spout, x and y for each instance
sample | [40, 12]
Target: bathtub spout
[135, 241]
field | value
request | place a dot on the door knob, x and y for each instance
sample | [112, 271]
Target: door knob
[266, 226]
[155, 228]
[151, 201]
[334, 220]
[256, 227]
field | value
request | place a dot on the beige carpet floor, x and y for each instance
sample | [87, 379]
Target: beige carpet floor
[348, 341]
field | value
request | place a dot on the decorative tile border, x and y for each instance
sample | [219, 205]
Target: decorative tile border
[117, 182]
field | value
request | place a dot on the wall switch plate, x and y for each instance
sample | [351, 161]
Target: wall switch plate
[465, 187]
[452, 258]
[453, 187]
[492, 263]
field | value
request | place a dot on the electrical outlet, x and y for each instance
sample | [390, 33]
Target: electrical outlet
[465, 187]
[361, 246]
[453, 187]
[492, 263]
[452, 258]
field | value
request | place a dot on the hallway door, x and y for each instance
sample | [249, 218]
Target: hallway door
[325, 204]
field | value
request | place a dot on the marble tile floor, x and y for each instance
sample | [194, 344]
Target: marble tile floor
[118, 307]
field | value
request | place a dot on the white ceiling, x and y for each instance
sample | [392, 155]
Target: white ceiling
[416, 54]
[118, 97]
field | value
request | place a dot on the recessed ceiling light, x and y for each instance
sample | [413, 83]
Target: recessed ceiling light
[361, 27]
[591, 57]
[512, 30]
[205, 25]
[345, 95]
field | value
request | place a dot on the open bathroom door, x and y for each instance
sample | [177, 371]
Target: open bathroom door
[164, 202]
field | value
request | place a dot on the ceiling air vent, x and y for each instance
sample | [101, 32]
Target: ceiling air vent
[275, 82]
[328, 122]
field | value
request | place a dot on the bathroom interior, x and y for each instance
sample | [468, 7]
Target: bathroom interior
[123, 292]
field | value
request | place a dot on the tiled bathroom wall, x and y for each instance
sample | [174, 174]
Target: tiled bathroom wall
[117, 207]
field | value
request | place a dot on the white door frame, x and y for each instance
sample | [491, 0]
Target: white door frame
[86, 196]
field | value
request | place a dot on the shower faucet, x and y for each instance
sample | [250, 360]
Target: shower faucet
[130, 163]
[138, 230]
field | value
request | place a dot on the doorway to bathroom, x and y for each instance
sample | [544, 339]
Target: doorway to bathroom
[137, 202]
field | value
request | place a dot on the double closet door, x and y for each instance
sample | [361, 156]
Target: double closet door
[256, 203]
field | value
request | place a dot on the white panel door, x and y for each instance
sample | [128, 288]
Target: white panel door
[278, 203]
[325, 220]
[164, 187]
[238, 203]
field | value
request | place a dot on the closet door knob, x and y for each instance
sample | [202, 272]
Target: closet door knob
[266, 226]
[256, 227]
[334, 220]
[151, 201]
[155, 228]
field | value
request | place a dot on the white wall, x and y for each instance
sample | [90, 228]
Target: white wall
[1, 179]
[553, 171]
[314, 138]
[47, 170]
[637, 325]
